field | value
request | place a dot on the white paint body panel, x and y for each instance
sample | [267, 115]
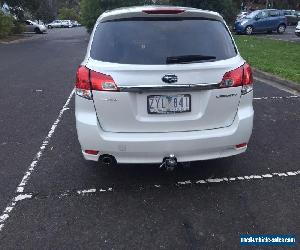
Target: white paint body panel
[118, 124]
[153, 147]
[130, 109]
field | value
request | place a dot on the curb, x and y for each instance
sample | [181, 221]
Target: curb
[23, 39]
[276, 79]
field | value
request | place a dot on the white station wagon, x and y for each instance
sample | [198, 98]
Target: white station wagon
[162, 84]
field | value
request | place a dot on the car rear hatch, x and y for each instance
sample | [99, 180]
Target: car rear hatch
[168, 71]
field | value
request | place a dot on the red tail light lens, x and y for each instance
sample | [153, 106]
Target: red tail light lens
[83, 86]
[241, 76]
[88, 80]
[91, 152]
[164, 11]
[233, 78]
[242, 145]
[82, 78]
[248, 76]
[102, 82]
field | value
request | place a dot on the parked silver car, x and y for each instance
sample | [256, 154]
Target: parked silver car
[154, 89]
[67, 23]
[55, 24]
[31, 26]
[76, 23]
[297, 30]
[60, 24]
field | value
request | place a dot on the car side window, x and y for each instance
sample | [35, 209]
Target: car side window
[262, 14]
[273, 13]
[27, 23]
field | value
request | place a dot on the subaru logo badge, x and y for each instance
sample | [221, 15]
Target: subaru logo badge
[170, 78]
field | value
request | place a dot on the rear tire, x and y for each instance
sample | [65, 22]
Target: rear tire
[249, 30]
[38, 31]
[281, 29]
[50, 27]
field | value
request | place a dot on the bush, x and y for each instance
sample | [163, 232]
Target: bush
[18, 27]
[6, 24]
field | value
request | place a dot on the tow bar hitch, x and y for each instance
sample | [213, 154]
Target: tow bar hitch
[169, 163]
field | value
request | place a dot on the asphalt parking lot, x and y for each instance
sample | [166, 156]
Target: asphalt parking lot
[50, 198]
[288, 35]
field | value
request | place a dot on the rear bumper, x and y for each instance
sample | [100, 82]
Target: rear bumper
[43, 29]
[153, 147]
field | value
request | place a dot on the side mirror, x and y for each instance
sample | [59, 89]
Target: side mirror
[257, 18]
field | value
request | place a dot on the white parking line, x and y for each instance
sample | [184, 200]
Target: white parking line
[276, 97]
[19, 193]
[94, 191]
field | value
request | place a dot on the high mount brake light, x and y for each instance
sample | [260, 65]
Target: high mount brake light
[164, 11]
[241, 76]
[88, 80]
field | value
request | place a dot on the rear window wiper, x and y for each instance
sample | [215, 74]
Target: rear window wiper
[188, 59]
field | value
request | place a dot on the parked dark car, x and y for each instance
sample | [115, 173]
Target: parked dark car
[260, 21]
[292, 16]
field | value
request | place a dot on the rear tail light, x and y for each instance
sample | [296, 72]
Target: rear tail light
[88, 80]
[242, 145]
[164, 11]
[91, 152]
[102, 82]
[241, 76]
[247, 79]
[83, 86]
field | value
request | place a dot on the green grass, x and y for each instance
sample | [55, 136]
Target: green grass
[276, 57]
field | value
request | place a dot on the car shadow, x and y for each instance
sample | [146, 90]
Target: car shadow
[133, 175]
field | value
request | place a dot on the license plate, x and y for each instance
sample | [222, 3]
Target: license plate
[166, 104]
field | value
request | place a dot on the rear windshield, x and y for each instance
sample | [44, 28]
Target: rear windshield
[152, 41]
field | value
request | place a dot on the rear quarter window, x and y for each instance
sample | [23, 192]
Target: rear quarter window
[151, 41]
[274, 13]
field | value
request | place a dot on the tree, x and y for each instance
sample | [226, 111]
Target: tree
[45, 10]
[91, 9]
[68, 14]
